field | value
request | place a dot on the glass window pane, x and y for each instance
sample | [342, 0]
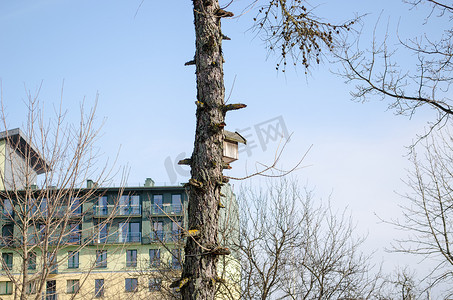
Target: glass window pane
[99, 287]
[135, 200]
[135, 227]
[76, 208]
[7, 261]
[102, 201]
[131, 284]
[7, 207]
[101, 258]
[154, 258]
[176, 203]
[73, 259]
[6, 288]
[157, 204]
[72, 286]
[32, 261]
[131, 258]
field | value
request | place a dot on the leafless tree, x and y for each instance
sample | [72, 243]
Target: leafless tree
[427, 214]
[402, 284]
[290, 247]
[378, 70]
[42, 216]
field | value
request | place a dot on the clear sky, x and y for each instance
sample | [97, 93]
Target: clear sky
[135, 61]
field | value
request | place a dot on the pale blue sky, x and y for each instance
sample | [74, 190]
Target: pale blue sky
[147, 95]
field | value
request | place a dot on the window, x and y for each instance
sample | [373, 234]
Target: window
[103, 233]
[134, 200]
[157, 204]
[6, 287]
[31, 288]
[7, 235]
[74, 233]
[43, 207]
[176, 258]
[102, 201]
[176, 203]
[154, 258]
[52, 262]
[176, 227]
[32, 236]
[51, 290]
[155, 284]
[131, 284]
[131, 258]
[158, 232]
[72, 286]
[101, 258]
[76, 208]
[42, 233]
[32, 261]
[129, 205]
[123, 205]
[8, 211]
[129, 232]
[32, 206]
[102, 206]
[7, 261]
[99, 288]
[73, 259]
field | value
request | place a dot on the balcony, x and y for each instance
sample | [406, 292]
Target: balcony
[7, 215]
[50, 295]
[117, 210]
[117, 238]
[66, 239]
[166, 209]
[72, 239]
[165, 236]
[53, 269]
[56, 212]
[7, 241]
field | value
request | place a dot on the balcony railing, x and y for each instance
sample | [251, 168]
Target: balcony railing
[166, 209]
[7, 240]
[117, 210]
[57, 212]
[73, 238]
[51, 296]
[53, 269]
[66, 239]
[165, 236]
[7, 215]
[117, 238]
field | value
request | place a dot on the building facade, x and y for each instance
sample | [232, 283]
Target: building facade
[95, 242]
[117, 243]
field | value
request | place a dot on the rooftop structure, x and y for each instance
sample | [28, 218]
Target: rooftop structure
[20, 161]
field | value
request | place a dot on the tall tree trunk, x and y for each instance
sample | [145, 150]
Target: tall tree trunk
[206, 161]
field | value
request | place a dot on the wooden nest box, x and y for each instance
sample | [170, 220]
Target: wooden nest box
[230, 145]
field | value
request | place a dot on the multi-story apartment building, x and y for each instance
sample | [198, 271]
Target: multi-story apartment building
[91, 242]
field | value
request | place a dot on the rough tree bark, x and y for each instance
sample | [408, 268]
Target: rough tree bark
[296, 27]
[199, 272]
